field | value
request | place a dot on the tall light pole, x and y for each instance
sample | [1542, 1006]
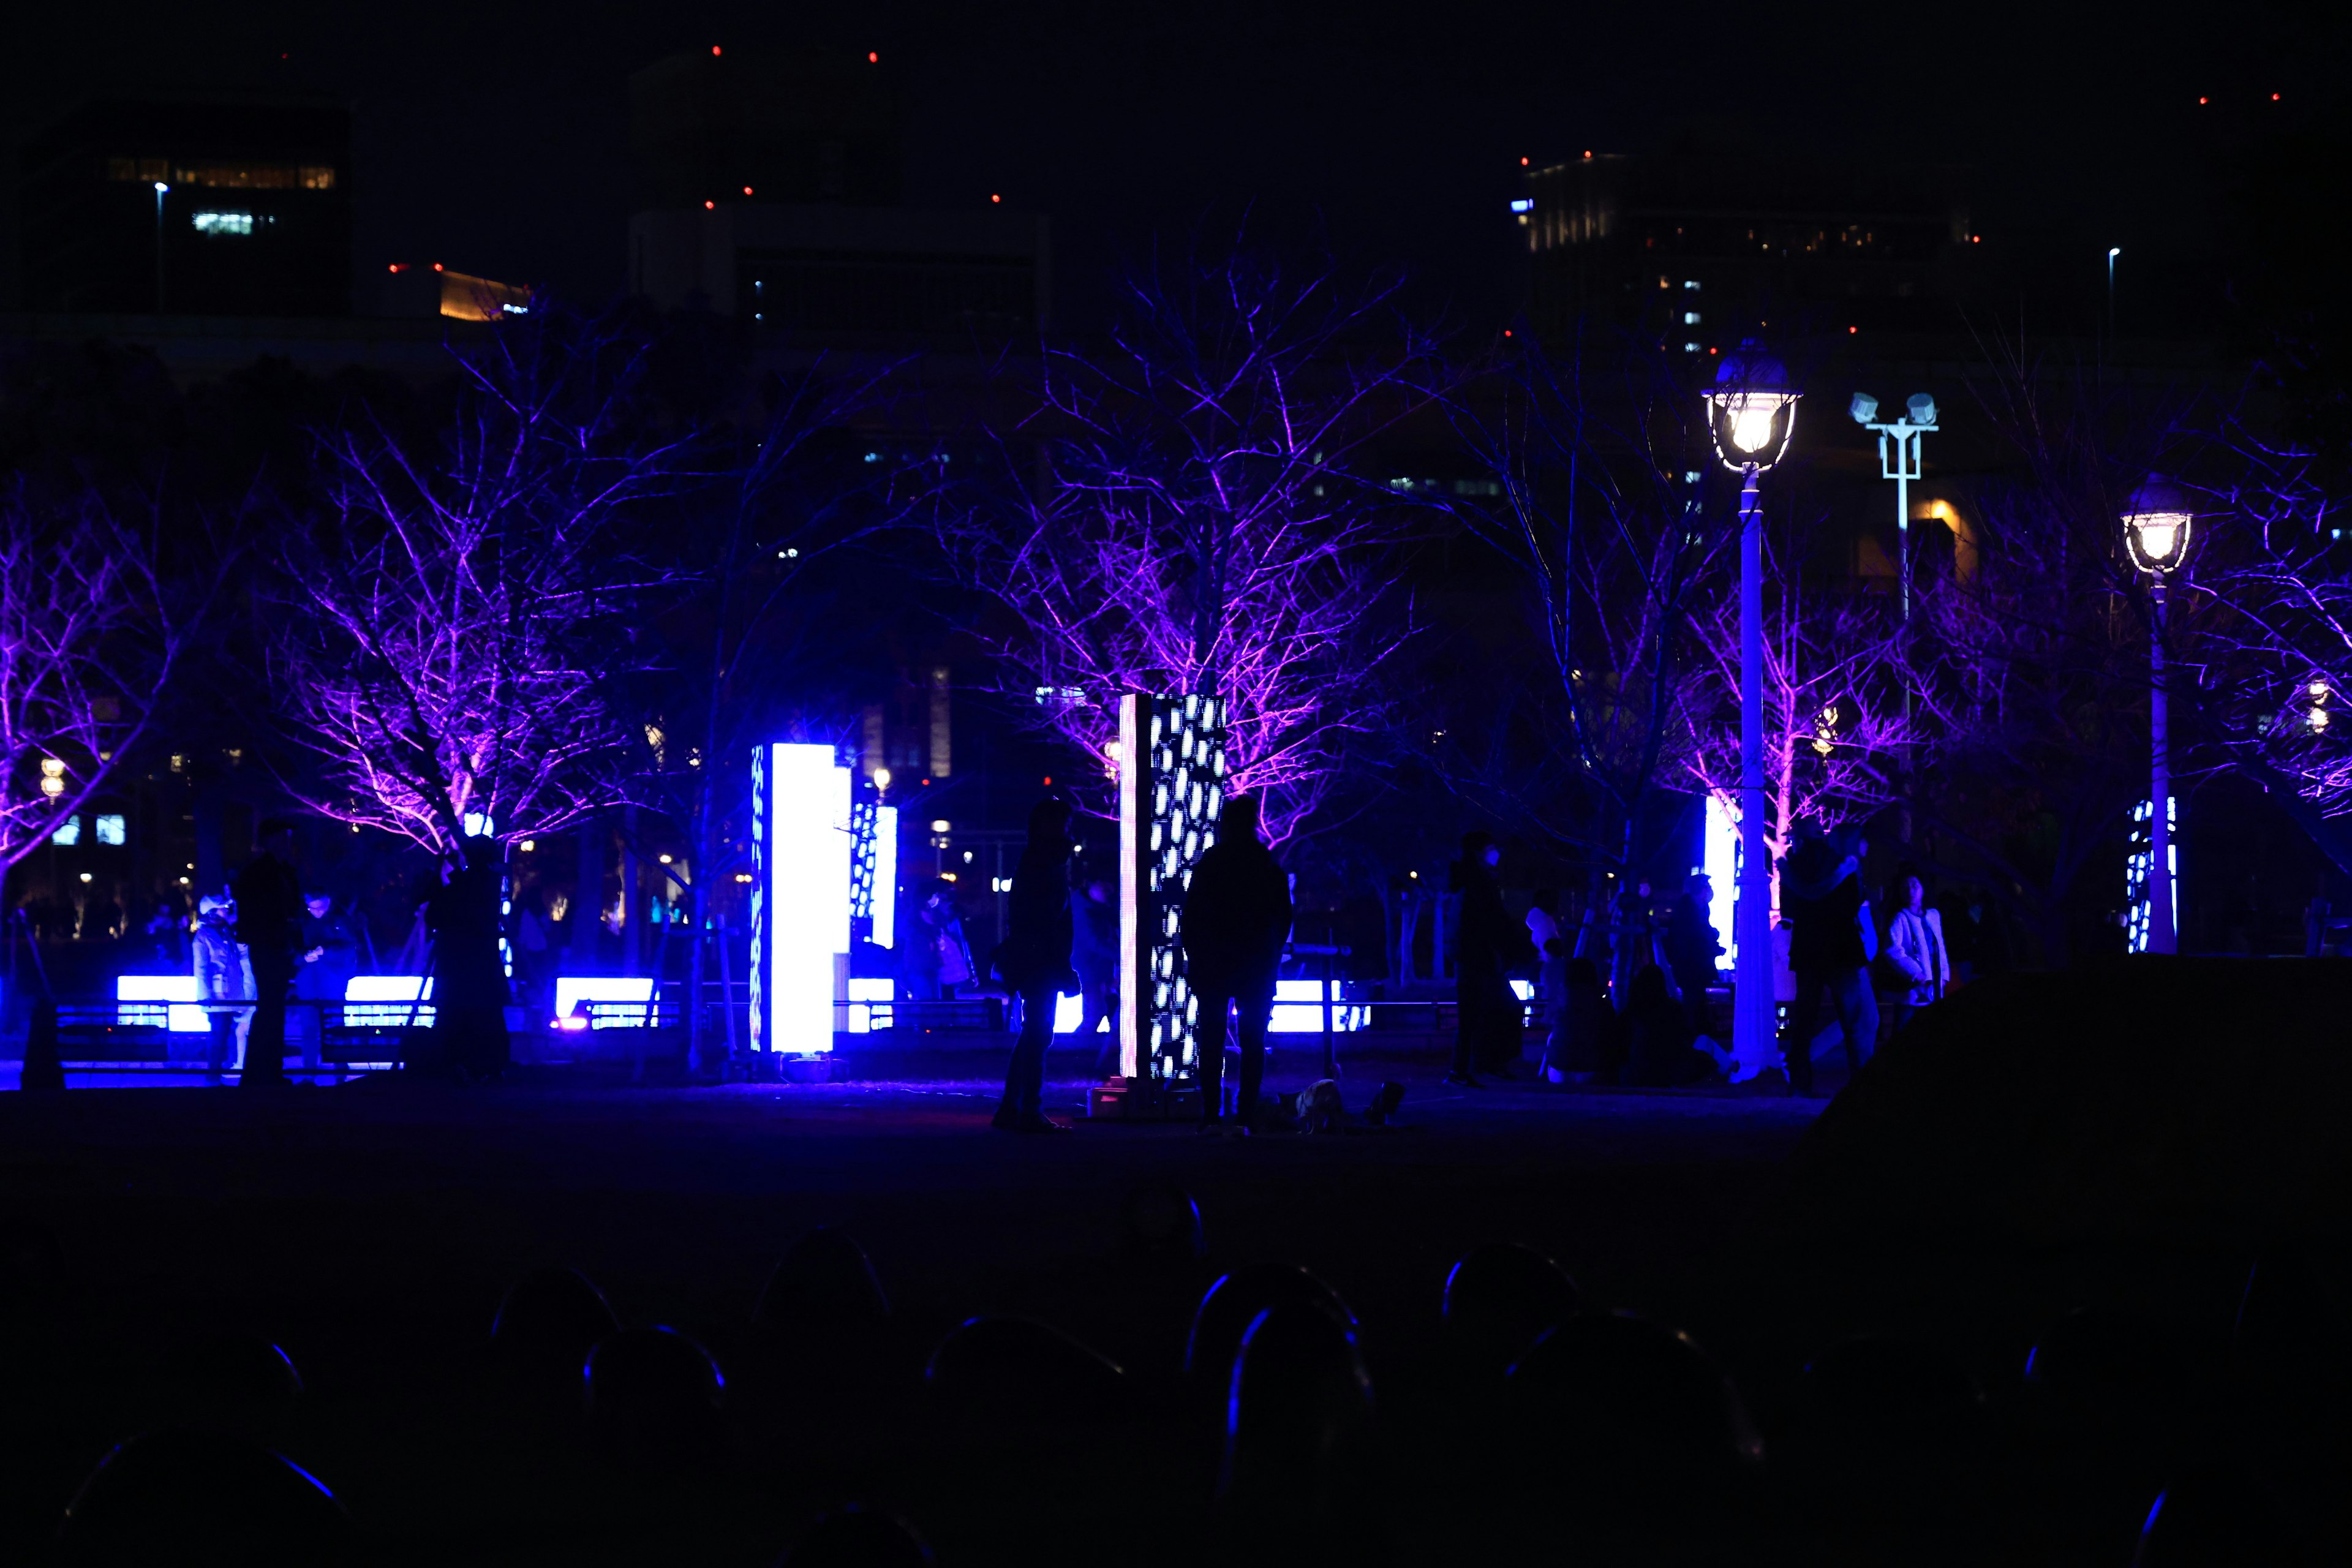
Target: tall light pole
[1751, 413]
[2113, 251]
[1900, 459]
[161, 191]
[2156, 533]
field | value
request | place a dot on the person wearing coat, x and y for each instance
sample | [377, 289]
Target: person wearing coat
[269, 924]
[1831, 941]
[1237, 916]
[224, 976]
[1034, 961]
[1915, 946]
[1488, 944]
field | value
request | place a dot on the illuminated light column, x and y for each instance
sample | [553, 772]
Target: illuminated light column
[801, 898]
[1751, 415]
[2156, 535]
[1171, 790]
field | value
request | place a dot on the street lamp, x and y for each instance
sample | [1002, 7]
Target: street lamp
[2156, 533]
[161, 191]
[1751, 413]
[1900, 461]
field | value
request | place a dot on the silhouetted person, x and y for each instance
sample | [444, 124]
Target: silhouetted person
[1487, 941]
[1551, 944]
[1236, 918]
[1034, 960]
[938, 957]
[1831, 945]
[223, 977]
[1583, 1038]
[1095, 950]
[470, 981]
[269, 923]
[330, 956]
[1693, 946]
[1658, 1051]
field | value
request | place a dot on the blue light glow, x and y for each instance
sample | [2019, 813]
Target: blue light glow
[69, 833]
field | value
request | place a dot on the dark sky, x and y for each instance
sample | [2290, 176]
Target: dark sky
[492, 137]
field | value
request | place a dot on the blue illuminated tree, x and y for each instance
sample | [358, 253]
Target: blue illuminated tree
[1193, 508]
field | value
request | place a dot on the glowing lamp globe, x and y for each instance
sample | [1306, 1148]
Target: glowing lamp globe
[1752, 409]
[2156, 528]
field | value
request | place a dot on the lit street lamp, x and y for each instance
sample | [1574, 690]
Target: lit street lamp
[161, 191]
[2156, 533]
[1899, 459]
[1751, 413]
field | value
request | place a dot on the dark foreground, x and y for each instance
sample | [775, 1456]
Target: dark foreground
[370, 1229]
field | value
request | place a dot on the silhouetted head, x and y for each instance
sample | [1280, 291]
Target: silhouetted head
[1621, 1405]
[548, 1324]
[1017, 1370]
[1298, 1400]
[654, 1395]
[200, 1497]
[1647, 989]
[276, 836]
[1231, 1303]
[1241, 818]
[1159, 1222]
[1870, 1383]
[825, 1280]
[1547, 900]
[1581, 971]
[1500, 1297]
[1049, 825]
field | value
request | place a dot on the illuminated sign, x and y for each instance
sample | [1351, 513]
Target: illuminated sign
[801, 897]
[1172, 792]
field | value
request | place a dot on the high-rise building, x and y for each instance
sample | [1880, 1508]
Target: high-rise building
[1695, 251]
[767, 189]
[190, 207]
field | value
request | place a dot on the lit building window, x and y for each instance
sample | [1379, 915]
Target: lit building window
[226, 176]
[1690, 348]
[225, 222]
[68, 832]
[109, 829]
[1690, 283]
[1690, 318]
[1523, 205]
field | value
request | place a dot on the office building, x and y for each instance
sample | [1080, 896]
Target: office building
[190, 207]
[1695, 251]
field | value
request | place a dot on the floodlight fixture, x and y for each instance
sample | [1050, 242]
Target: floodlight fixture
[1922, 408]
[1865, 408]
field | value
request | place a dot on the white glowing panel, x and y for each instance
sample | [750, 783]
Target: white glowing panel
[388, 1001]
[635, 994]
[886, 877]
[1719, 852]
[169, 1000]
[2136, 866]
[1299, 1008]
[807, 895]
[1069, 1011]
[869, 1004]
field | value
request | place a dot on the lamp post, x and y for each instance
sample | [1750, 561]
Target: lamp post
[1900, 459]
[161, 190]
[1751, 413]
[2156, 533]
[2113, 251]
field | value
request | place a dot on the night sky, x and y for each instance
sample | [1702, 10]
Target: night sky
[492, 137]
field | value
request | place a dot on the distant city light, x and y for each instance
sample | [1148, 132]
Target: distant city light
[994, 199]
[1522, 205]
[1523, 162]
[111, 826]
[872, 57]
[2274, 97]
[2200, 99]
[714, 49]
[747, 190]
[706, 207]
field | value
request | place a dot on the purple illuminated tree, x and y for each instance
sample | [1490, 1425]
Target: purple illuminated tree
[1834, 719]
[455, 608]
[1190, 509]
[90, 633]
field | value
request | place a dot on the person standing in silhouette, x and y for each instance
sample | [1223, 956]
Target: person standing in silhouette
[1487, 1033]
[1034, 961]
[1237, 915]
[269, 923]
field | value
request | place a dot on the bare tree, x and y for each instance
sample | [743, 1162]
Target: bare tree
[90, 636]
[1834, 719]
[1200, 516]
[454, 608]
[1596, 457]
